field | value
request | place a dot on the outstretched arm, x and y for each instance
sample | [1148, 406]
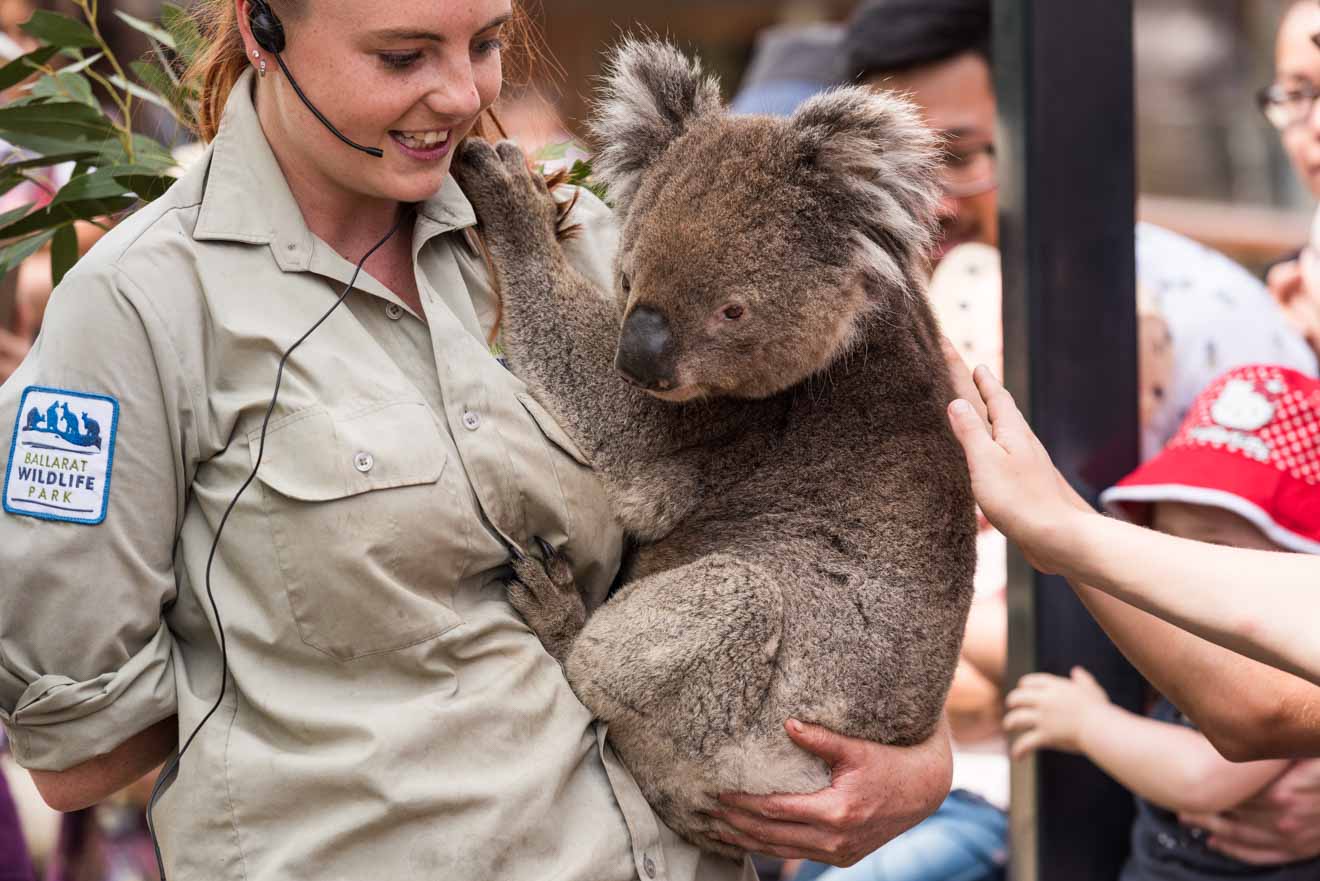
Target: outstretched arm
[1257, 603]
[1248, 710]
[1172, 766]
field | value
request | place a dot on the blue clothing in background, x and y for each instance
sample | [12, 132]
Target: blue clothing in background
[965, 840]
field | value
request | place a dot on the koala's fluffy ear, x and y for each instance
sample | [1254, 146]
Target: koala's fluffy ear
[886, 161]
[651, 91]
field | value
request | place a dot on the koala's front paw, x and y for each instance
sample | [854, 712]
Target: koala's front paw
[547, 597]
[516, 211]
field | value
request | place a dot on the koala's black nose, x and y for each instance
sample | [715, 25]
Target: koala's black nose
[646, 350]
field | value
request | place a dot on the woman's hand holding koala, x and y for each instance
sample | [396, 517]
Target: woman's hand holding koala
[876, 794]
[1051, 712]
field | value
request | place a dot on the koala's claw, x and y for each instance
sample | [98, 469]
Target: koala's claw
[546, 595]
[509, 196]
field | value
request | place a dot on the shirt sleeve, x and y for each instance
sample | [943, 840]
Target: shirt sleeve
[85, 655]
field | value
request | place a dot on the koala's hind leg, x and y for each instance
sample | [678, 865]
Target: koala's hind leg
[682, 664]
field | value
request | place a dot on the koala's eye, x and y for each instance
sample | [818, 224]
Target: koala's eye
[625, 283]
[732, 312]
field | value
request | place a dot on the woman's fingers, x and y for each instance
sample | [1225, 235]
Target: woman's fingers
[730, 835]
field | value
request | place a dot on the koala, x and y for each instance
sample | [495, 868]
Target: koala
[763, 396]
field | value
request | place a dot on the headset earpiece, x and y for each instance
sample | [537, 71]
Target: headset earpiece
[267, 29]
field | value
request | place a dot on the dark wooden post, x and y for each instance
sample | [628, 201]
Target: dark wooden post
[1065, 83]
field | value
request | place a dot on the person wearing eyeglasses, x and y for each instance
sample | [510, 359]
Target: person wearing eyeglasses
[938, 52]
[1289, 103]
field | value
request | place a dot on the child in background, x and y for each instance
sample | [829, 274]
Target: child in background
[1217, 480]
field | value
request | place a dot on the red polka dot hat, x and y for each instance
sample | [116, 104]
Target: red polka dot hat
[1250, 445]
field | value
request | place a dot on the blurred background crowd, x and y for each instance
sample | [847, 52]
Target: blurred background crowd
[1229, 169]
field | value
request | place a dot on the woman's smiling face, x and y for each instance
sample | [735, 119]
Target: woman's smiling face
[410, 77]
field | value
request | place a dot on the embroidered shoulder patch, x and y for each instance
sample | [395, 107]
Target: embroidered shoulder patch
[61, 456]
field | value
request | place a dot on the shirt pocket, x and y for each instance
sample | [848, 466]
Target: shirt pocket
[369, 536]
[595, 539]
[550, 428]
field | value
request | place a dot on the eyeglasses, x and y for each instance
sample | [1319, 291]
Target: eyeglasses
[1287, 107]
[967, 173]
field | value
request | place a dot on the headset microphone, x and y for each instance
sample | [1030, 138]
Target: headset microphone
[268, 31]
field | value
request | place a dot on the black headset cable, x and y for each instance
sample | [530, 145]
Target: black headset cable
[172, 768]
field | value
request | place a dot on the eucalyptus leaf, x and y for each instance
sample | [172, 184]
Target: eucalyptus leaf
[60, 31]
[68, 119]
[7, 168]
[551, 152]
[163, 65]
[65, 86]
[52, 216]
[16, 253]
[63, 252]
[159, 34]
[14, 214]
[150, 153]
[82, 65]
[99, 184]
[188, 39]
[148, 187]
[143, 93]
[156, 78]
[9, 182]
[24, 66]
[48, 144]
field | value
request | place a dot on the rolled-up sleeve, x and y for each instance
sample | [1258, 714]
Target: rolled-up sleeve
[85, 655]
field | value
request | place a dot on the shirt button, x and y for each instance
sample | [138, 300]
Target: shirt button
[363, 462]
[649, 865]
[1166, 841]
[394, 311]
[471, 420]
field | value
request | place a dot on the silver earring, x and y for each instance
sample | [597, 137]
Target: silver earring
[261, 71]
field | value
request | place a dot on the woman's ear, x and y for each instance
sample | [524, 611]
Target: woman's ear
[245, 30]
[650, 94]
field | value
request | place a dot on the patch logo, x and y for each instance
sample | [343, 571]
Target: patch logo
[61, 456]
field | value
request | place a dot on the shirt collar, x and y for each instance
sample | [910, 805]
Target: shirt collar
[248, 200]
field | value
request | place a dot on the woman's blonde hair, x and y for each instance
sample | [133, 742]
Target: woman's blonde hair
[218, 66]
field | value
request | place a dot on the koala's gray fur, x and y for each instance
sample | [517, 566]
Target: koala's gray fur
[805, 518]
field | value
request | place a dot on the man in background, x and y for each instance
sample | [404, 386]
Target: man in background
[938, 53]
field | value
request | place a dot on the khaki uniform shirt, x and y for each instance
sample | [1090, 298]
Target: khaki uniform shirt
[387, 713]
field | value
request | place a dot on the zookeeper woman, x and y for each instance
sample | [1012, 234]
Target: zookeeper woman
[385, 713]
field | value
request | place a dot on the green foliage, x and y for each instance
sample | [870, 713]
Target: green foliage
[82, 111]
[579, 173]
